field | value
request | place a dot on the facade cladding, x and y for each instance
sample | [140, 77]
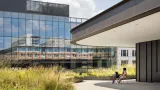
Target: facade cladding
[35, 35]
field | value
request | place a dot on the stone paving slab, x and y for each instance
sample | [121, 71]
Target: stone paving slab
[107, 85]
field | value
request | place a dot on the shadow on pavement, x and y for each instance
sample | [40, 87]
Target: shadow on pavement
[130, 86]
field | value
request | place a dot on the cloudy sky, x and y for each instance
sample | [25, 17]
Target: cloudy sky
[85, 8]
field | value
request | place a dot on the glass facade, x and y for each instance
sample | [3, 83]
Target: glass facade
[47, 8]
[44, 37]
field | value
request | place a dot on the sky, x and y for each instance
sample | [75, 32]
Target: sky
[85, 8]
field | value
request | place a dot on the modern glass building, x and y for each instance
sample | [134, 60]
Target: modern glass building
[41, 33]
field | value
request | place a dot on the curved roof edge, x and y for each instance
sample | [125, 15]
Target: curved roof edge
[98, 15]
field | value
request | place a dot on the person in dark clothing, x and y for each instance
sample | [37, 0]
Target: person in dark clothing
[115, 76]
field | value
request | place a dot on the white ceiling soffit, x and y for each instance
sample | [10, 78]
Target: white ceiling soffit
[127, 35]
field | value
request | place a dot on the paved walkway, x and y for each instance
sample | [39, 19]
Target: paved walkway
[106, 85]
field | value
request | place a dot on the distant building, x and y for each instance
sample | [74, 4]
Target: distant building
[126, 56]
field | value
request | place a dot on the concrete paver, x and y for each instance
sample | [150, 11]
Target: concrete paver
[107, 85]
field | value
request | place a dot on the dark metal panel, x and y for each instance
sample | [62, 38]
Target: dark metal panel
[149, 71]
[157, 62]
[143, 62]
[13, 5]
[158, 59]
[137, 63]
[154, 60]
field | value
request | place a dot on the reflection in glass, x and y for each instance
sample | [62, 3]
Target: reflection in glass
[67, 31]
[28, 16]
[22, 27]
[49, 18]
[42, 29]
[36, 17]
[61, 29]
[55, 18]
[7, 42]
[7, 14]
[1, 14]
[73, 24]
[14, 15]
[21, 15]
[36, 28]
[15, 26]
[55, 29]
[7, 26]
[34, 37]
[1, 26]
[48, 29]
[29, 27]
[1, 43]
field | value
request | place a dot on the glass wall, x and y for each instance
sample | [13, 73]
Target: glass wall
[44, 37]
[47, 8]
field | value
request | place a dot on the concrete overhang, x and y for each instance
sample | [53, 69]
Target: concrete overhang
[123, 25]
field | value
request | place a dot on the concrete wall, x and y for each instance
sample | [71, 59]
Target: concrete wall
[148, 61]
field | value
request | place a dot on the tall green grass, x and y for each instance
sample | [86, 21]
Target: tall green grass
[36, 79]
[102, 72]
[55, 78]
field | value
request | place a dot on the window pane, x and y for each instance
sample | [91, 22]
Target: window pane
[61, 29]
[36, 26]
[42, 17]
[21, 15]
[28, 16]
[55, 29]
[35, 41]
[73, 24]
[62, 19]
[48, 29]
[7, 26]
[42, 29]
[22, 41]
[1, 14]
[7, 14]
[49, 18]
[29, 27]
[67, 31]
[55, 18]
[1, 44]
[22, 27]
[35, 16]
[66, 19]
[43, 52]
[14, 15]
[15, 27]
[7, 43]
[1, 26]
